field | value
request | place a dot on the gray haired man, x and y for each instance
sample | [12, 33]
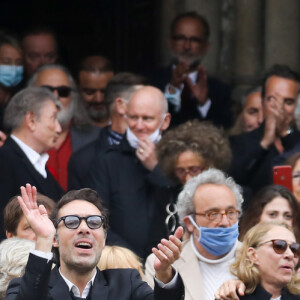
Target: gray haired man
[209, 207]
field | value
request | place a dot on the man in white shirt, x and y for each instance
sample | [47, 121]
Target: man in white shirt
[78, 234]
[31, 119]
[209, 207]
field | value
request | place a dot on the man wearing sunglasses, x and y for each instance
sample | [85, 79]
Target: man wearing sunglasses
[77, 128]
[190, 92]
[208, 207]
[79, 232]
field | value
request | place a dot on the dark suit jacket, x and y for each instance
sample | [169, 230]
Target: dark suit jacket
[251, 164]
[16, 170]
[40, 283]
[80, 138]
[219, 93]
[80, 161]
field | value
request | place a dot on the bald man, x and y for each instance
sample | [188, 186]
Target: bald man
[128, 178]
[94, 74]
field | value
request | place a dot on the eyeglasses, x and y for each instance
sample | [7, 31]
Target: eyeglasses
[63, 90]
[280, 246]
[193, 171]
[73, 222]
[231, 214]
[179, 38]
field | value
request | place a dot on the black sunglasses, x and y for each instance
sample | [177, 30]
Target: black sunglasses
[73, 222]
[63, 90]
[280, 246]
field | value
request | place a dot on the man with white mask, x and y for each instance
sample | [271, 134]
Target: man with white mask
[209, 207]
[128, 178]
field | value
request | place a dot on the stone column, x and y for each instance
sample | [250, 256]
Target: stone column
[282, 38]
[248, 44]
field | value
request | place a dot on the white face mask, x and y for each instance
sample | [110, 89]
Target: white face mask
[154, 137]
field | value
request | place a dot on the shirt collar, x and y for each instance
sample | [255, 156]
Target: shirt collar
[37, 160]
[72, 287]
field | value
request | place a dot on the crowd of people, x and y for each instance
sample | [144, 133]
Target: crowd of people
[144, 186]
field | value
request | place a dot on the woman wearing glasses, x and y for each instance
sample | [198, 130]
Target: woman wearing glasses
[266, 264]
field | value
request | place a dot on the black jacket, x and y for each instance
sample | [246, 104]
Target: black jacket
[16, 170]
[261, 294]
[40, 283]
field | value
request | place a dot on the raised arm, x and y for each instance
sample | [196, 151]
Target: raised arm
[37, 218]
[167, 252]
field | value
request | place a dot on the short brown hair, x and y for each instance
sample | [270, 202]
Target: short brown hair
[13, 212]
[85, 194]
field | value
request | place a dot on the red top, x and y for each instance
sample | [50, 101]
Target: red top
[58, 162]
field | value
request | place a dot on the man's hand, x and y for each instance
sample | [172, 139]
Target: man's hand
[200, 88]
[146, 154]
[37, 218]
[167, 252]
[229, 289]
[275, 120]
[179, 74]
[2, 138]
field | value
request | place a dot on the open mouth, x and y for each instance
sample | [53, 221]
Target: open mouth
[84, 245]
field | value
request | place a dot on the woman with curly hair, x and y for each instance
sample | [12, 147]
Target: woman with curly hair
[192, 147]
[185, 152]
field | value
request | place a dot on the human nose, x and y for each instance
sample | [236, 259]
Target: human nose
[188, 176]
[83, 227]
[58, 128]
[224, 221]
[260, 117]
[99, 96]
[187, 43]
[139, 124]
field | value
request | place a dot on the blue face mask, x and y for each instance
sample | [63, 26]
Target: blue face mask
[10, 76]
[217, 241]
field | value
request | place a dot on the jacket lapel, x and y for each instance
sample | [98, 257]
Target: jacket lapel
[189, 270]
[58, 288]
[100, 287]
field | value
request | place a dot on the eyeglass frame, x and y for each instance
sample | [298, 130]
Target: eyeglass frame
[188, 171]
[58, 89]
[296, 255]
[102, 218]
[219, 215]
[180, 38]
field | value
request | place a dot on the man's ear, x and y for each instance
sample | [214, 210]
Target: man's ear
[8, 234]
[30, 120]
[121, 106]
[252, 255]
[166, 122]
[189, 225]
[55, 241]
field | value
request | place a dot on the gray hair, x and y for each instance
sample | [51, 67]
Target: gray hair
[27, 100]
[185, 203]
[81, 118]
[14, 254]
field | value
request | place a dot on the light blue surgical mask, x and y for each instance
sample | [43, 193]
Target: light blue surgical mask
[154, 137]
[10, 76]
[217, 241]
